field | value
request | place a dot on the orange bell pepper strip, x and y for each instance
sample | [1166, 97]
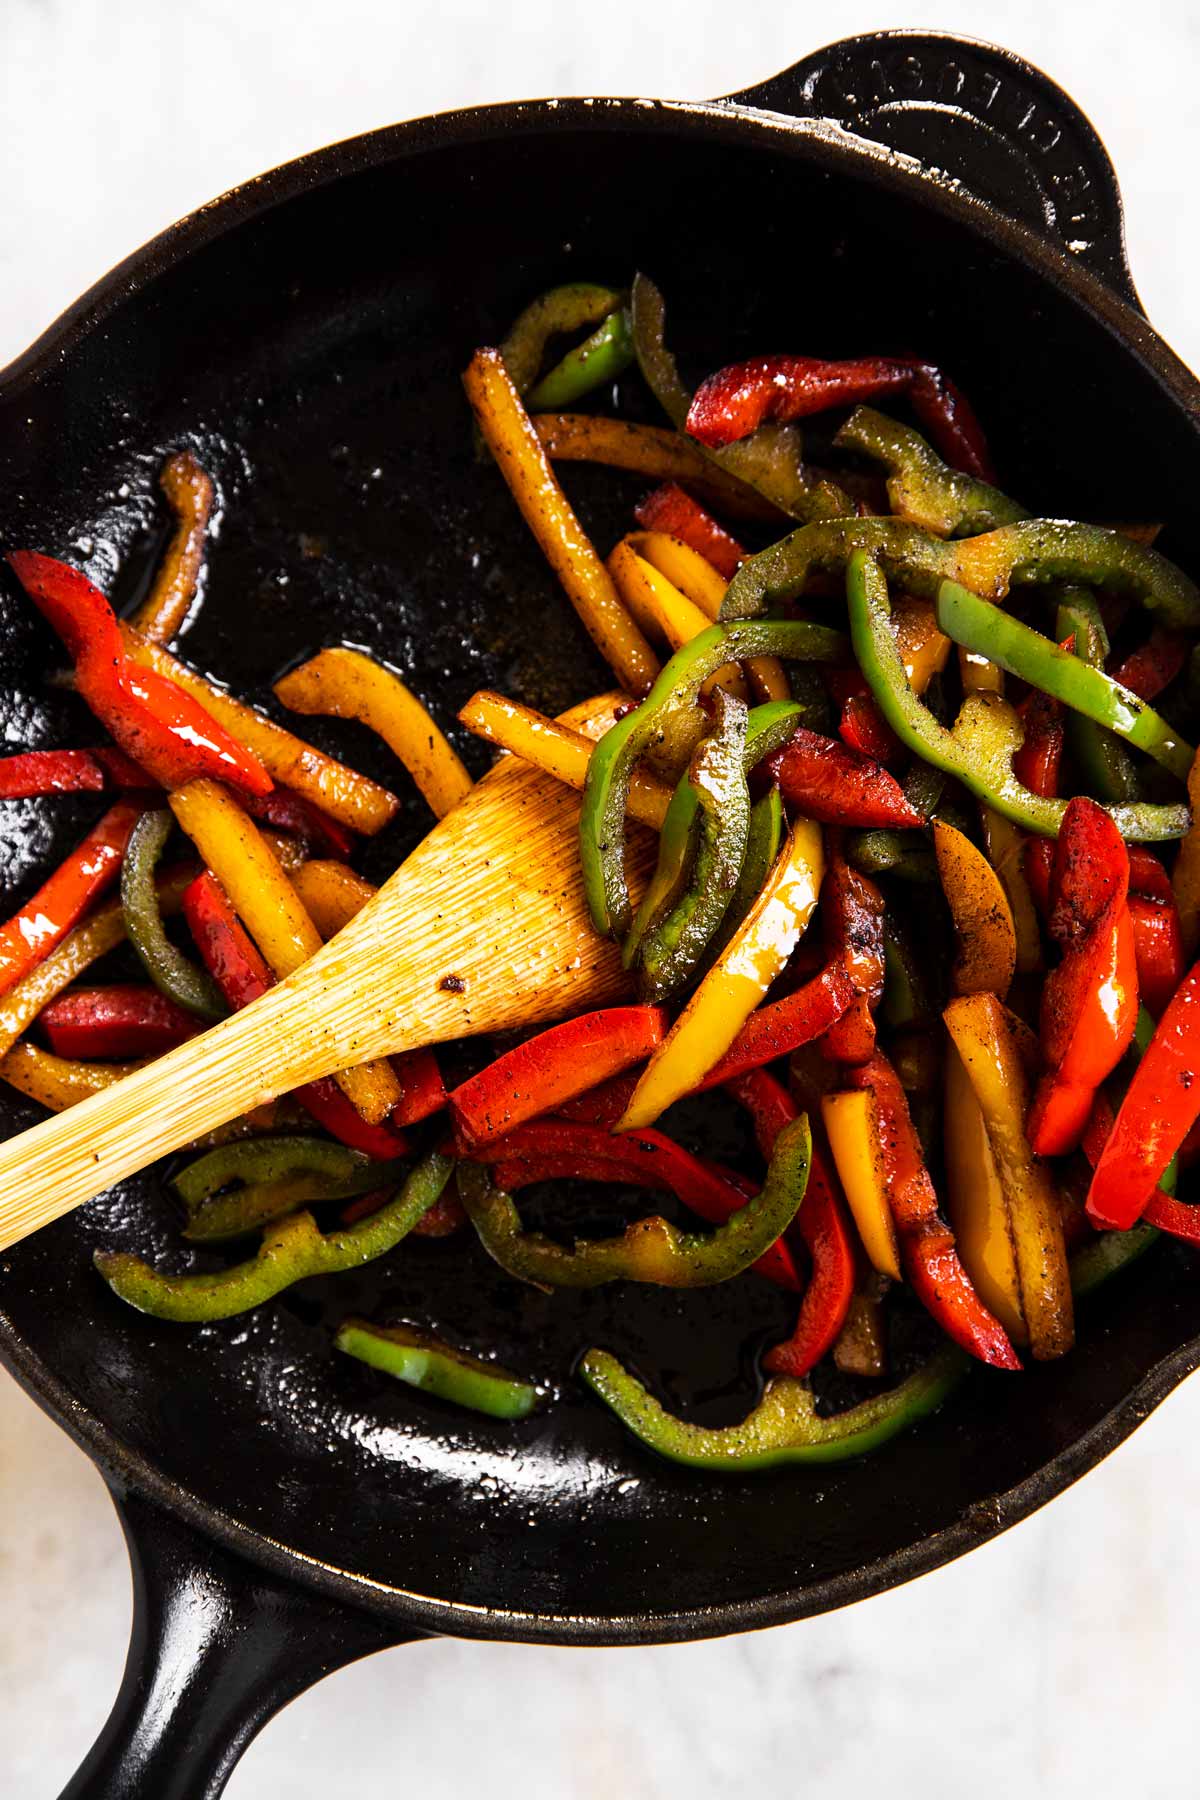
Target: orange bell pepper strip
[1090, 1001]
[61, 901]
[983, 919]
[652, 450]
[852, 910]
[189, 494]
[672, 510]
[930, 1258]
[557, 1065]
[1160, 1107]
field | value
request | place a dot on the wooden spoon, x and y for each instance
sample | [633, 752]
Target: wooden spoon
[483, 928]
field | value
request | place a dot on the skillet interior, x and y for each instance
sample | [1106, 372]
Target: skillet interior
[312, 355]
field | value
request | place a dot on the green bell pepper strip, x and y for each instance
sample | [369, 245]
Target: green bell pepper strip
[291, 1250]
[881, 849]
[651, 1250]
[670, 723]
[924, 786]
[272, 1159]
[763, 843]
[768, 728]
[906, 1005]
[1033, 550]
[576, 306]
[249, 1208]
[168, 968]
[1102, 759]
[769, 460]
[979, 750]
[784, 1428]
[921, 488]
[672, 949]
[978, 625]
[599, 359]
[426, 1362]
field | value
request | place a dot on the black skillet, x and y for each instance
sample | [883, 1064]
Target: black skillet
[286, 1511]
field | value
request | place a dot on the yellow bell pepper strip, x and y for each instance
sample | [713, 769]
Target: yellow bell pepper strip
[650, 1250]
[984, 1038]
[921, 488]
[57, 1082]
[172, 973]
[425, 1362]
[546, 510]
[783, 1429]
[924, 650]
[331, 894]
[986, 629]
[983, 921]
[291, 1251]
[980, 748]
[764, 840]
[649, 450]
[189, 494]
[575, 306]
[663, 612]
[1005, 847]
[346, 684]
[669, 723]
[235, 851]
[669, 508]
[694, 576]
[976, 1203]
[736, 983]
[350, 798]
[1101, 759]
[558, 749]
[1185, 876]
[853, 1133]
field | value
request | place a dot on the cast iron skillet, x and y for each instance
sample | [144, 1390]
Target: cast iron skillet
[287, 1511]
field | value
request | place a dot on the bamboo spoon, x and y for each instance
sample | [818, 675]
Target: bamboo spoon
[483, 928]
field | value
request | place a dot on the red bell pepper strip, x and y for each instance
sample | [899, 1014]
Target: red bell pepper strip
[162, 728]
[852, 910]
[1176, 1217]
[1147, 875]
[1089, 1002]
[233, 960]
[737, 400]
[424, 1092]
[556, 1065]
[1154, 665]
[861, 724]
[1160, 1107]
[47, 916]
[108, 1024]
[603, 1104]
[822, 1225]
[551, 1150]
[1037, 764]
[784, 1025]
[291, 812]
[672, 510]
[1157, 949]
[828, 781]
[69, 772]
[926, 1242]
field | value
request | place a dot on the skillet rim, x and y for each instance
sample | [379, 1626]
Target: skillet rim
[826, 144]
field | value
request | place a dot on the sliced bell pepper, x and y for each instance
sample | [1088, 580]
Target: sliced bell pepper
[980, 748]
[603, 1104]
[835, 784]
[1185, 876]
[669, 508]
[650, 1250]
[347, 684]
[1037, 764]
[1034, 550]
[57, 1082]
[737, 400]
[649, 450]
[160, 726]
[276, 1175]
[37, 772]
[574, 306]
[291, 1250]
[1106, 767]
[1007, 849]
[983, 921]
[1154, 665]
[558, 749]
[293, 813]
[426, 1362]
[526, 468]
[852, 915]
[736, 982]
[784, 1428]
[692, 575]
[784, 1025]
[861, 1347]
[931, 1261]
[554, 1067]
[1089, 1002]
[764, 840]
[852, 1127]
[922, 488]
[976, 1203]
[985, 1037]
[47, 916]
[1157, 949]
[125, 1019]
[169, 969]
[189, 493]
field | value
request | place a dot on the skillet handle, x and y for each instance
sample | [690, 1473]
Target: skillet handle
[979, 115]
[217, 1647]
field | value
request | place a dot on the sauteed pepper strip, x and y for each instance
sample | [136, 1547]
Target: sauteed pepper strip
[162, 728]
[1106, 766]
[124, 1019]
[852, 912]
[669, 508]
[278, 1175]
[921, 488]
[68, 772]
[650, 1250]
[168, 968]
[784, 1428]
[47, 916]
[575, 306]
[189, 494]
[426, 1362]
[838, 785]
[979, 750]
[290, 1251]
[1089, 1002]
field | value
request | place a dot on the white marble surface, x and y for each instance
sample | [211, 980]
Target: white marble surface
[1058, 1661]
